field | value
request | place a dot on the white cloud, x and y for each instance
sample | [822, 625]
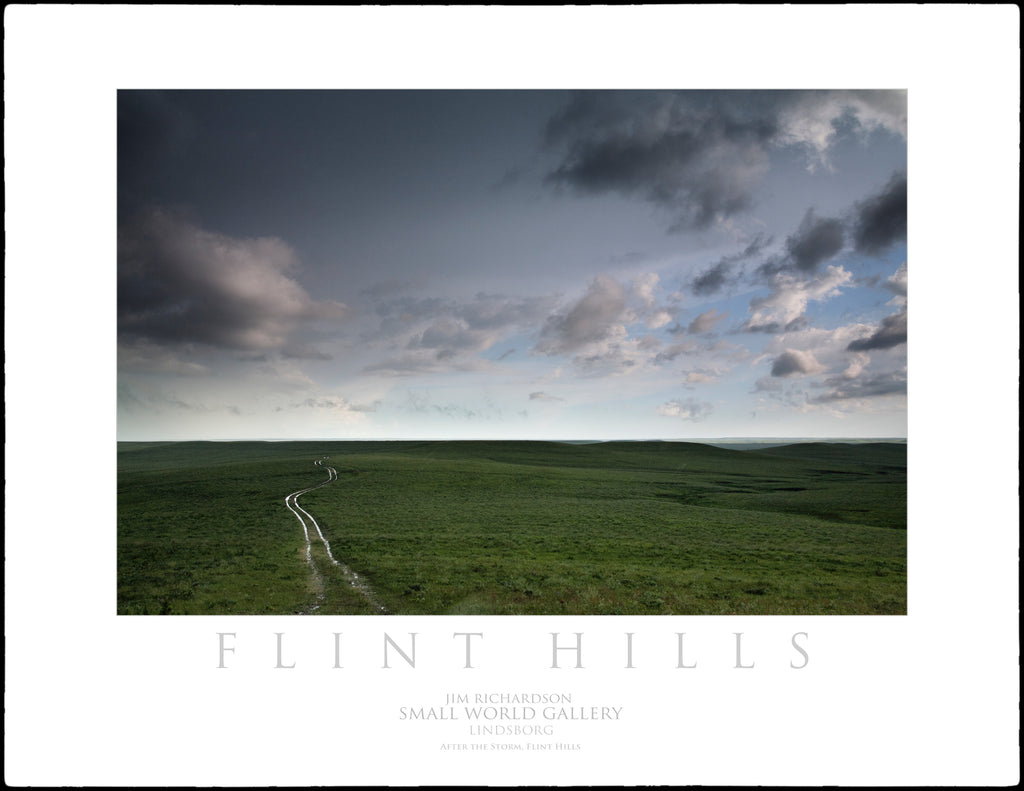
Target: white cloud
[811, 121]
[897, 284]
[658, 319]
[789, 296]
[644, 286]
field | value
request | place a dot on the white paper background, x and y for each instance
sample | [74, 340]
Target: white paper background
[926, 699]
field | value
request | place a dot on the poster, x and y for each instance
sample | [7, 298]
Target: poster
[927, 698]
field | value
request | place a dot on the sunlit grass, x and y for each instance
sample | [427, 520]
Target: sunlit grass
[516, 528]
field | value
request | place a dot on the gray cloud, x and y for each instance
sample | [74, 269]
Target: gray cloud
[421, 403]
[705, 322]
[674, 351]
[145, 399]
[712, 279]
[437, 334]
[794, 362]
[724, 273]
[590, 320]
[690, 409]
[498, 311]
[816, 241]
[700, 155]
[865, 386]
[768, 384]
[178, 283]
[450, 335]
[775, 327]
[484, 313]
[608, 362]
[892, 332]
[427, 362]
[881, 220]
[541, 396]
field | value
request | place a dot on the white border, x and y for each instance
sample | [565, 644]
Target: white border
[929, 699]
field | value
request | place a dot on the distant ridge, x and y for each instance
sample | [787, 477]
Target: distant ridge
[729, 442]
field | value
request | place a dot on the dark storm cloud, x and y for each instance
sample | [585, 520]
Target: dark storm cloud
[153, 132]
[881, 220]
[816, 240]
[892, 332]
[700, 155]
[876, 223]
[178, 283]
[700, 164]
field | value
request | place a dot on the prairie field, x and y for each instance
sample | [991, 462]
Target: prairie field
[511, 528]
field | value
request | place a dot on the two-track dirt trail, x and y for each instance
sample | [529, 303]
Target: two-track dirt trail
[306, 520]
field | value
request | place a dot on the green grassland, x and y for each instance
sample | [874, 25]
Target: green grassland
[500, 528]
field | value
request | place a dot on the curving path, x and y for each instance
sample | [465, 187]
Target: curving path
[306, 520]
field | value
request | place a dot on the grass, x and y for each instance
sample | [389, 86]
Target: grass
[516, 528]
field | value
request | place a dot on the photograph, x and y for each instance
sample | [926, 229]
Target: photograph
[509, 352]
[411, 319]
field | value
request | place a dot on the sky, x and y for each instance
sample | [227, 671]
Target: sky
[434, 264]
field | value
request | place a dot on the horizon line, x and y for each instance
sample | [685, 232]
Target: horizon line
[530, 439]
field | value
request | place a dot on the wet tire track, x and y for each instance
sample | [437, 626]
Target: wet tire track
[306, 519]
